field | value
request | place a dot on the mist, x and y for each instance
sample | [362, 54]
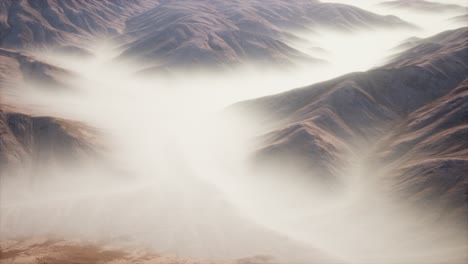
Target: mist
[175, 178]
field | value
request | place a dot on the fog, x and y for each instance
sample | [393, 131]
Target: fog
[175, 178]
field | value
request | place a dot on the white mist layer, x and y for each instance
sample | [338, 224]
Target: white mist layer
[430, 22]
[179, 183]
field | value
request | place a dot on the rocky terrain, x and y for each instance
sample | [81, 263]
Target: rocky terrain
[32, 142]
[29, 139]
[428, 155]
[32, 24]
[220, 33]
[406, 120]
[418, 97]
[19, 68]
[44, 251]
[181, 34]
[188, 33]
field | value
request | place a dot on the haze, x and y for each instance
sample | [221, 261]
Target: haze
[175, 176]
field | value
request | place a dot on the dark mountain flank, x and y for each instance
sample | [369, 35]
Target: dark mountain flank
[412, 110]
[428, 153]
[33, 23]
[39, 141]
[181, 33]
[217, 33]
[17, 68]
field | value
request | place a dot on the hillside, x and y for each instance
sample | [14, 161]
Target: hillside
[321, 126]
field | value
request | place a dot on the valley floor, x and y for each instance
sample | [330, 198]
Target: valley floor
[46, 251]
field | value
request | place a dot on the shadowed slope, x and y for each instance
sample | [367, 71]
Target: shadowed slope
[428, 153]
[29, 141]
[36, 141]
[220, 33]
[50, 22]
[17, 68]
[320, 125]
[182, 33]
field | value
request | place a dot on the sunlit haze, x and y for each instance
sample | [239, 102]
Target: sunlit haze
[174, 176]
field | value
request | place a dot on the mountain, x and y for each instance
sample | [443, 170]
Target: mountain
[428, 153]
[220, 33]
[183, 33]
[188, 33]
[419, 49]
[31, 140]
[423, 5]
[17, 68]
[29, 24]
[34, 141]
[322, 125]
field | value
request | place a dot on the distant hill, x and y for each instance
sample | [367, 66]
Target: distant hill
[19, 68]
[184, 33]
[423, 5]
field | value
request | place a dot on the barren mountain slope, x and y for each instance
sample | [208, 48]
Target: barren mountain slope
[319, 125]
[35, 141]
[436, 48]
[214, 32]
[17, 68]
[40, 251]
[26, 138]
[188, 33]
[427, 153]
[181, 33]
[26, 23]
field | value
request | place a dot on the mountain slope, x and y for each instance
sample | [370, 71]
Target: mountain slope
[220, 33]
[182, 33]
[17, 68]
[30, 141]
[428, 152]
[35, 141]
[400, 87]
[320, 126]
[27, 24]
[188, 33]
